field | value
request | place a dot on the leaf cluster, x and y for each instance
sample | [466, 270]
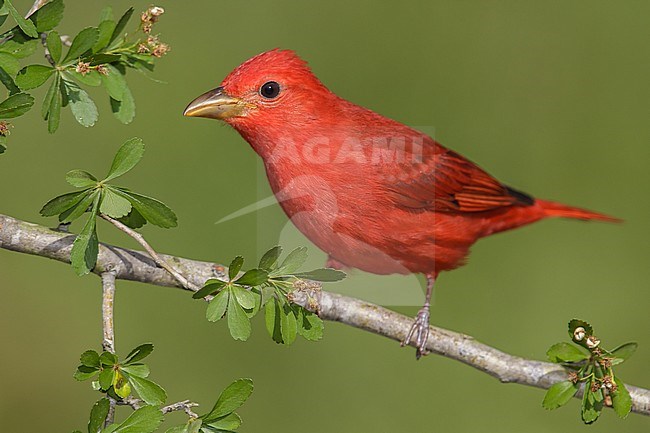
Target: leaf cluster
[222, 418]
[97, 56]
[592, 367]
[118, 379]
[99, 197]
[266, 287]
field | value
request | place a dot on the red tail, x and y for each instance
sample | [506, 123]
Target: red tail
[553, 209]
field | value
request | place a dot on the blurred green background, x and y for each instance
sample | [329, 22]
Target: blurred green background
[550, 97]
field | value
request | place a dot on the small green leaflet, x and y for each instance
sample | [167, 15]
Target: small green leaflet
[238, 322]
[83, 108]
[25, 25]
[230, 399]
[559, 394]
[33, 76]
[16, 105]
[128, 155]
[144, 420]
[565, 352]
[81, 43]
[86, 246]
[621, 399]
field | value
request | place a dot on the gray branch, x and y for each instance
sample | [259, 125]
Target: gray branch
[108, 330]
[20, 236]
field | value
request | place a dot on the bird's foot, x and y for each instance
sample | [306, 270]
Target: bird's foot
[419, 333]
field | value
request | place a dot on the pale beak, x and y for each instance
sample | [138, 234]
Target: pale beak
[216, 104]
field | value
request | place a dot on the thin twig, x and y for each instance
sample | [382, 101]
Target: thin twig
[108, 330]
[156, 258]
[134, 403]
[185, 405]
[20, 236]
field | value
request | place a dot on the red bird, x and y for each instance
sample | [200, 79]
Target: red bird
[371, 192]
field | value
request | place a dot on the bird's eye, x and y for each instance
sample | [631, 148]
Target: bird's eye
[270, 90]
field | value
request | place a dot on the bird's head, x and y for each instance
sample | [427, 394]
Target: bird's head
[272, 88]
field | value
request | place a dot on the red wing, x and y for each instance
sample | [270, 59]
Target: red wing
[450, 183]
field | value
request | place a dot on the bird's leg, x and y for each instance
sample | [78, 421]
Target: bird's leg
[420, 328]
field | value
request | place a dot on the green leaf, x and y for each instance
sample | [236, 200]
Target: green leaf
[62, 203]
[8, 82]
[81, 43]
[48, 16]
[590, 408]
[127, 156]
[134, 219]
[324, 275]
[154, 211]
[20, 46]
[253, 277]
[79, 209]
[114, 205]
[85, 248]
[293, 261]
[211, 286]
[310, 326]
[559, 394]
[141, 370]
[144, 420]
[33, 76]
[49, 96]
[110, 428]
[84, 373]
[108, 358]
[565, 352]
[230, 399]
[54, 110]
[25, 25]
[16, 105]
[106, 378]
[272, 319]
[83, 108]
[91, 78]
[9, 63]
[106, 29]
[229, 422]
[288, 324]
[217, 307]
[121, 24]
[238, 322]
[106, 14]
[124, 110]
[54, 46]
[81, 179]
[148, 391]
[235, 267]
[90, 358]
[623, 352]
[98, 415]
[2, 148]
[621, 399]
[139, 353]
[244, 297]
[114, 83]
[270, 258]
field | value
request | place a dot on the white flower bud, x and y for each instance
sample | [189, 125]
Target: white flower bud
[579, 333]
[592, 342]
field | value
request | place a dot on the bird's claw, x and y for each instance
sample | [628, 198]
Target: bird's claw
[419, 330]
